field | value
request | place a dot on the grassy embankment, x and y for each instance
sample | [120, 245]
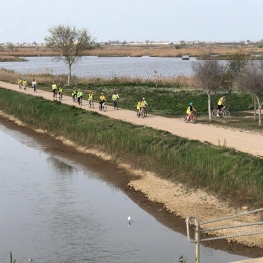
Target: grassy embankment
[230, 174]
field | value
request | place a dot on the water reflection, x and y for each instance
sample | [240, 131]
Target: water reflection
[53, 210]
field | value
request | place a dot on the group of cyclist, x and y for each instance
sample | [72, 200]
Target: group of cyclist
[22, 83]
[221, 105]
[77, 95]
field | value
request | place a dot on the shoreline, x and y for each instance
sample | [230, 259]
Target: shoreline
[154, 195]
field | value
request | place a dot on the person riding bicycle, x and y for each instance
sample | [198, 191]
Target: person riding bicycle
[221, 105]
[60, 91]
[24, 83]
[34, 85]
[145, 103]
[115, 98]
[79, 95]
[54, 89]
[140, 105]
[102, 100]
[19, 82]
[190, 110]
[90, 97]
[74, 94]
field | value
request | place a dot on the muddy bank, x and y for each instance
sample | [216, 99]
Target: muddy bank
[168, 203]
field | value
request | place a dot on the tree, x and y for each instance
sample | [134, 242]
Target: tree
[209, 73]
[251, 79]
[70, 43]
[235, 64]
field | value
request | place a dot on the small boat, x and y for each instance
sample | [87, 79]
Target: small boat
[185, 57]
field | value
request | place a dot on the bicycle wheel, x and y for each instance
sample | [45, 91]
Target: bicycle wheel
[194, 119]
[214, 113]
[142, 112]
[226, 114]
[185, 119]
[105, 107]
[92, 105]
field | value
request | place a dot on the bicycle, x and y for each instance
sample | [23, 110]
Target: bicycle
[222, 113]
[143, 112]
[74, 98]
[91, 104]
[34, 86]
[80, 101]
[55, 94]
[192, 118]
[103, 106]
[115, 104]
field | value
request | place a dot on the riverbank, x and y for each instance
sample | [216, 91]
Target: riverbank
[180, 201]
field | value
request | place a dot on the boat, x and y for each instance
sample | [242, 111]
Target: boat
[185, 57]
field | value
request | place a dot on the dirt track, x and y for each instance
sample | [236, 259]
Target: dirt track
[175, 198]
[240, 140]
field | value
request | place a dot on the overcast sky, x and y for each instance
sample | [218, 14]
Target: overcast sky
[134, 20]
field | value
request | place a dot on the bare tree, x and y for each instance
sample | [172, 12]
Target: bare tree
[251, 79]
[70, 43]
[209, 73]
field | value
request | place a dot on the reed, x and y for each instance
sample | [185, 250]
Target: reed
[223, 171]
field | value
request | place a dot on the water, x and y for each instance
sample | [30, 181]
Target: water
[54, 210]
[91, 66]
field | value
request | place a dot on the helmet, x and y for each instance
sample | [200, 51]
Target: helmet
[24, 78]
[114, 91]
[101, 93]
[191, 103]
[143, 98]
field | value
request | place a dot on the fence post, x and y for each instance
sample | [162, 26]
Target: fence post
[197, 241]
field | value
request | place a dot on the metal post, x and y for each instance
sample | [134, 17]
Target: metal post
[197, 241]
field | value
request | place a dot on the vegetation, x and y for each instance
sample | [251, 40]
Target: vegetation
[218, 50]
[69, 43]
[221, 170]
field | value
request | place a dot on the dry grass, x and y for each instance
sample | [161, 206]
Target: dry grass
[47, 78]
[146, 50]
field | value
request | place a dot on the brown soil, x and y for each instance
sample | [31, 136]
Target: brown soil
[170, 203]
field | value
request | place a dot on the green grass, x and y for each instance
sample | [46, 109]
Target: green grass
[225, 172]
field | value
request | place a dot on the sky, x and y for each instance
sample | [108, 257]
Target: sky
[134, 20]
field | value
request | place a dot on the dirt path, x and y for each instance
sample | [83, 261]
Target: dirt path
[176, 199]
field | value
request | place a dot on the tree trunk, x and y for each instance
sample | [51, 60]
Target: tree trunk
[69, 74]
[259, 110]
[255, 105]
[209, 106]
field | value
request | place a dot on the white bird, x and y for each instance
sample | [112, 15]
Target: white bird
[129, 220]
[30, 260]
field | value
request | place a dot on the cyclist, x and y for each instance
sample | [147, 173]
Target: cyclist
[140, 104]
[24, 83]
[54, 89]
[190, 110]
[19, 82]
[79, 95]
[221, 105]
[145, 104]
[34, 85]
[60, 91]
[115, 98]
[74, 94]
[102, 100]
[90, 98]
